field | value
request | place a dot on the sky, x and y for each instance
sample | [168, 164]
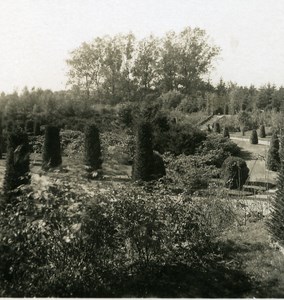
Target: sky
[37, 36]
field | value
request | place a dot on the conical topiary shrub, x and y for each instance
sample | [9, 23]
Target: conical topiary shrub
[92, 147]
[226, 110]
[29, 126]
[36, 128]
[235, 172]
[254, 137]
[226, 132]
[275, 222]
[51, 155]
[262, 133]
[273, 157]
[217, 128]
[143, 158]
[17, 162]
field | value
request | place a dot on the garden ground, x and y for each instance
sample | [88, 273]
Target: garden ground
[246, 245]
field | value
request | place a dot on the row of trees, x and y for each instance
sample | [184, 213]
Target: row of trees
[121, 68]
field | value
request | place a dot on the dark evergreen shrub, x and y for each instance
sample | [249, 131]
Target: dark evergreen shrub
[51, 155]
[254, 137]
[36, 127]
[226, 111]
[217, 127]
[226, 132]
[235, 172]
[273, 157]
[276, 221]
[29, 126]
[143, 158]
[159, 169]
[10, 126]
[262, 133]
[92, 147]
[17, 162]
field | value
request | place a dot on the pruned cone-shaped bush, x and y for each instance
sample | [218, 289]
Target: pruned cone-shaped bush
[159, 169]
[217, 128]
[273, 157]
[254, 137]
[276, 220]
[235, 172]
[143, 158]
[226, 110]
[17, 162]
[51, 155]
[93, 155]
[226, 132]
[262, 133]
[29, 126]
[36, 128]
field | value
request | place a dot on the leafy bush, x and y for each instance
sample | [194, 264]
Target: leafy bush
[218, 148]
[179, 139]
[273, 157]
[93, 147]
[17, 162]
[235, 172]
[254, 137]
[187, 174]
[51, 155]
[59, 241]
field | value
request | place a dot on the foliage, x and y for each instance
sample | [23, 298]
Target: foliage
[226, 132]
[29, 126]
[17, 163]
[119, 67]
[254, 137]
[217, 128]
[186, 174]
[275, 222]
[179, 139]
[262, 133]
[235, 172]
[93, 147]
[217, 148]
[36, 128]
[273, 157]
[51, 155]
[59, 241]
[143, 159]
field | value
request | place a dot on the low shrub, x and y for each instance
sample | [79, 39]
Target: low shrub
[218, 149]
[60, 241]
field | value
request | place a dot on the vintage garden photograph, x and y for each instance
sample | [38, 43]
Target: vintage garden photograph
[142, 148]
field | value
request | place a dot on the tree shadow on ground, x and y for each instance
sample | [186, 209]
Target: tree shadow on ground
[246, 155]
[182, 281]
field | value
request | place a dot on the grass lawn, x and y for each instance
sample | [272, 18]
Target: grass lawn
[250, 246]
[255, 156]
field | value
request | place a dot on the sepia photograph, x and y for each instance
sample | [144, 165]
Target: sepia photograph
[142, 149]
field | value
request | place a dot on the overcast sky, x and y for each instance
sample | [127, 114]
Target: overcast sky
[36, 36]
